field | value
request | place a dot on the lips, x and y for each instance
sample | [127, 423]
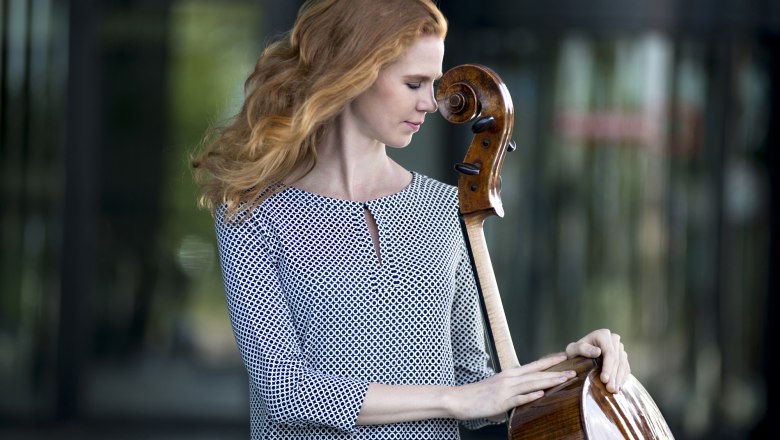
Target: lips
[415, 126]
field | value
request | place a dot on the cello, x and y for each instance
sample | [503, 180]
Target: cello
[580, 408]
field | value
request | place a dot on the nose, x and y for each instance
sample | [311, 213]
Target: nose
[428, 102]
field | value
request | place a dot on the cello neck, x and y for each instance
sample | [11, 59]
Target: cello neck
[488, 287]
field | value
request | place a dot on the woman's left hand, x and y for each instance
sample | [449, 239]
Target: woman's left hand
[615, 369]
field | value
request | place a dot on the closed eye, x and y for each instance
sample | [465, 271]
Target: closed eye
[414, 85]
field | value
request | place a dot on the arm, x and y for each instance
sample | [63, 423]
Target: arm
[487, 398]
[291, 391]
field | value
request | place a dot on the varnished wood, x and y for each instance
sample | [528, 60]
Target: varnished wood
[583, 408]
[631, 413]
[557, 415]
[494, 309]
[465, 93]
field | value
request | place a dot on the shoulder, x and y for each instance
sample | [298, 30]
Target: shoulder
[435, 188]
[246, 221]
[437, 192]
[247, 232]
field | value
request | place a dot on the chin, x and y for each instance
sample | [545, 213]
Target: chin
[400, 143]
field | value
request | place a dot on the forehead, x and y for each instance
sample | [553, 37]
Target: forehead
[423, 58]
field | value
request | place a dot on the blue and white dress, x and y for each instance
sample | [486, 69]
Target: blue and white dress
[318, 316]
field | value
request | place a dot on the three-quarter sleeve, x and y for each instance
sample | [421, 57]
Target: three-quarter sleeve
[289, 390]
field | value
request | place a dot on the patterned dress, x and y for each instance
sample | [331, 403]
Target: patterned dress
[318, 316]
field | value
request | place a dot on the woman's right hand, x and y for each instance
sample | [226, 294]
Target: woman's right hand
[495, 396]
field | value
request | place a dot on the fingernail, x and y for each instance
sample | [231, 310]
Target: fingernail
[571, 373]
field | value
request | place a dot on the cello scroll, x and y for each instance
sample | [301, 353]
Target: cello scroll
[474, 92]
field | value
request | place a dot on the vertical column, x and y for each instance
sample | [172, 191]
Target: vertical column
[79, 206]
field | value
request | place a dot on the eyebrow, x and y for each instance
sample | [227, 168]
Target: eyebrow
[423, 77]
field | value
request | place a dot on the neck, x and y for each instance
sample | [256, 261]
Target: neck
[352, 168]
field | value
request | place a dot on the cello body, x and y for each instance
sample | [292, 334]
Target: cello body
[580, 408]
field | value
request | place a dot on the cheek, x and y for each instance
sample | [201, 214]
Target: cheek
[369, 102]
[369, 118]
[380, 108]
[385, 97]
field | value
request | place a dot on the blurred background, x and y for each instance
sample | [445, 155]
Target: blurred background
[642, 198]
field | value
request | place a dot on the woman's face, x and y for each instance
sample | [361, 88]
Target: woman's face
[394, 107]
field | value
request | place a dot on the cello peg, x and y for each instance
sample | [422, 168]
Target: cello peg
[467, 168]
[512, 146]
[484, 123]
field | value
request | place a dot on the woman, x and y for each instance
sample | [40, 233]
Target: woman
[348, 282]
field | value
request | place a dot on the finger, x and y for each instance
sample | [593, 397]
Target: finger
[514, 383]
[624, 370]
[526, 383]
[612, 361]
[539, 381]
[533, 389]
[543, 363]
[594, 343]
[556, 355]
[522, 399]
[608, 361]
[581, 348]
[515, 376]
